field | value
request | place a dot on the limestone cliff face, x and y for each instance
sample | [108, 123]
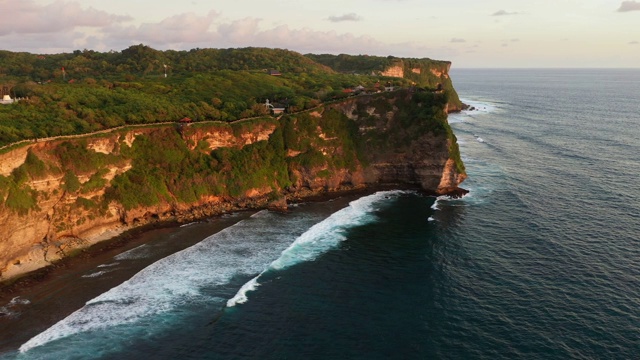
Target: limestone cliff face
[59, 196]
[398, 148]
[394, 71]
[426, 72]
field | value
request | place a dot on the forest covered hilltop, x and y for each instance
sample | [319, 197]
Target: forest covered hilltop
[98, 148]
[87, 91]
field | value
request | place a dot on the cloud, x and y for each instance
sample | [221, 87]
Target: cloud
[189, 30]
[174, 31]
[308, 40]
[458, 40]
[633, 43]
[503, 13]
[345, 17]
[210, 30]
[629, 6]
[28, 17]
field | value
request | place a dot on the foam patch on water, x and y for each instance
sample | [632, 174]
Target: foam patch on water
[95, 274]
[438, 203]
[139, 252]
[241, 296]
[109, 265]
[12, 307]
[320, 238]
[480, 107]
[170, 286]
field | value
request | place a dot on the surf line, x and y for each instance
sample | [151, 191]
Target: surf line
[320, 238]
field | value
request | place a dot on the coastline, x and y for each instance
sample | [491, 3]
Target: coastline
[37, 295]
[120, 236]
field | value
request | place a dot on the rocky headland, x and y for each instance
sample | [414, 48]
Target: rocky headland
[68, 194]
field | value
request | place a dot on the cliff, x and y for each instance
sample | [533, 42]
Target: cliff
[62, 195]
[425, 72]
[434, 74]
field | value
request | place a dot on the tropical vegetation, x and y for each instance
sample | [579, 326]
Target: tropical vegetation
[87, 91]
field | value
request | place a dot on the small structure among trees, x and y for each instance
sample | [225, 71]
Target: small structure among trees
[276, 109]
[389, 86]
[6, 99]
[5, 96]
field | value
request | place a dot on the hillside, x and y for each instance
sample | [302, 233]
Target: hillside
[87, 91]
[98, 149]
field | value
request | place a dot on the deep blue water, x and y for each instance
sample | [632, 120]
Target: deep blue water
[540, 260]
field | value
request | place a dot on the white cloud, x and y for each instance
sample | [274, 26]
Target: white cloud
[189, 31]
[503, 13]
[240, 31]
[28, 17]
[182, 28]
[629, 6]
[345, 17]
[458, 40]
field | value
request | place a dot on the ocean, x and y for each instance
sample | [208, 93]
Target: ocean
[539, 261]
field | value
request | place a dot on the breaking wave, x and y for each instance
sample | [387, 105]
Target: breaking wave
[320, 238]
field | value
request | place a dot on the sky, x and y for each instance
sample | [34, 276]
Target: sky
[470, 33]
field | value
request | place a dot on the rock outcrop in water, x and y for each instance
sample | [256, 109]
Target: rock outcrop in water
[63, 195]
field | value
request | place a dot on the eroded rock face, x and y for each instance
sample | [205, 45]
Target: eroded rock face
[421, 160]
[394, 71]
[222, 135]
[64, 221]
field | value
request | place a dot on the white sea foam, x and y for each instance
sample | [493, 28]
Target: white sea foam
[437, 203]
[241, 296]
[431, 218]
[171, 285]
[10, 308]
[320, 238]
[19, 301]
[109, 265]
[480, 106]
[96, 274]
[139, 252]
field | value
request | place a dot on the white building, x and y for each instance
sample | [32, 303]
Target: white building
[6, 100]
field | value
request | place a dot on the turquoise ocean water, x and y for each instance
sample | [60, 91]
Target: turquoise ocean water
[539, 261]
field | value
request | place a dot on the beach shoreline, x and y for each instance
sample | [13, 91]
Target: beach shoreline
[39, 304]
[118, 238]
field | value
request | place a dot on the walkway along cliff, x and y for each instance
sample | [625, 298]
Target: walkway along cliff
[62, 195]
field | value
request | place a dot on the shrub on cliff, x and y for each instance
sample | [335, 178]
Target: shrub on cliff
[70, 182]
[21, 199]
[166, 170]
